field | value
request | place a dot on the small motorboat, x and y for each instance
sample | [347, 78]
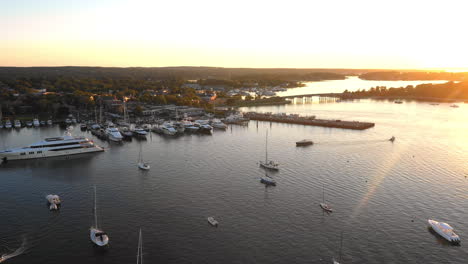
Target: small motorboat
[49, 122]
[454, 106]
[268, 180]
[392, 139]
[398, 102]
[444, 230]
[212, 221]
[54, 201]
[304, 142]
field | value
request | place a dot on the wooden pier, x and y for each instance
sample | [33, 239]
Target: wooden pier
[308, 121]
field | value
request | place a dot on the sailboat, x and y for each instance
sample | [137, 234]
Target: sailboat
[98, 236]
[268, 164]
[141, 164]
[341, 246]
[140, 250]
[325, 206]
[267, 180]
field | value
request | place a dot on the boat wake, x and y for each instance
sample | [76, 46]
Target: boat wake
[15, 253]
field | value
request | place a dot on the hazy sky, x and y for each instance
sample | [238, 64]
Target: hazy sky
[240, 33]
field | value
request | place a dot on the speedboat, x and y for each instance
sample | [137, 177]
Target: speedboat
[36, 122]
[445, 230]
[304, 142]
[53, 200]
[168, 129]
[205, 128]
[126, 133]
[218, 124]
[139, 132]
[267, 180]
[113, 134]
[8, 124]
[17, 124]
[212, 221]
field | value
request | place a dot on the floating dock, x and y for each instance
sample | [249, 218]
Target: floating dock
[308, 121]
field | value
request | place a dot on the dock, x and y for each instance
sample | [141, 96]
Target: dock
[308, 121]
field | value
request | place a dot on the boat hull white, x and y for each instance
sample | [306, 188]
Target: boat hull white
[451, 236]
[98, 240]
[8, 156]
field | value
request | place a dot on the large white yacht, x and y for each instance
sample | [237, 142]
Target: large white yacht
[52, 147]
[114, 134]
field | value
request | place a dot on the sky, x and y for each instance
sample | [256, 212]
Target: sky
[396, 34]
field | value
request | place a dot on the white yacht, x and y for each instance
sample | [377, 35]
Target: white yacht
[114, 134]
[52, 147]
[445, 230]
[36, 122]
[139, 132]
[168, 129]
[218, 124]
[8, 124]
[17, 124]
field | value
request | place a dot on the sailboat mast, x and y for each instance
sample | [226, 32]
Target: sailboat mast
[140, 249]
[323, 194]
[95, 209]
[266, 148]
[341, 244]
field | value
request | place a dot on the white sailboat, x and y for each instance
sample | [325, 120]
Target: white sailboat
[98, 236]
[268, 164]
[141, 164]
[140, 249]
[325, 206]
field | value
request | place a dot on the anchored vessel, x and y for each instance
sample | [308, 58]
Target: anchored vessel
[97, 236]
[445, 230]
[52, 147]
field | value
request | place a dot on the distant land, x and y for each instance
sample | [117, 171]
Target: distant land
[188, 73]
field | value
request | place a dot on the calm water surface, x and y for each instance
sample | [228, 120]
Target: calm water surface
[382, 193]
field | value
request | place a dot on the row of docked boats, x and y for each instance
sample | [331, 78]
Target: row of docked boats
[30, 123]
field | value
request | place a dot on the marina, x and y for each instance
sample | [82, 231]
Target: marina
[193, 176]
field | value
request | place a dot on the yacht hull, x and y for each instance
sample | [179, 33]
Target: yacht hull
[8, 156]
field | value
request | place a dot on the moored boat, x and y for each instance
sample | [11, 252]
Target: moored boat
[212, 221]
[444, 230]
[304, 142]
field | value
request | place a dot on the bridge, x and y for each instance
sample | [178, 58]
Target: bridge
[338, 95]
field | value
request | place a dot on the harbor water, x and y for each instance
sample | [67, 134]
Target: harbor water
[382, 193]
